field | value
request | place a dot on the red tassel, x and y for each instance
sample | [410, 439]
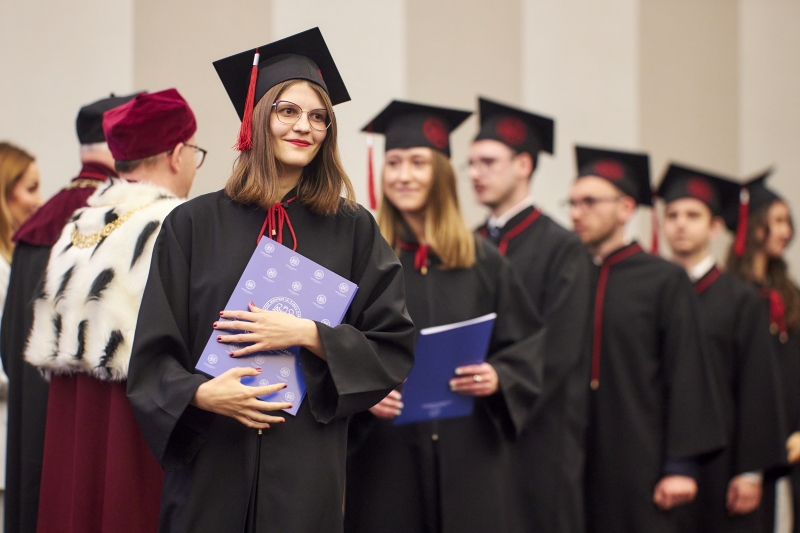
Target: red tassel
[245, 141]
[373, 200]
[654, 227]
[741, 228]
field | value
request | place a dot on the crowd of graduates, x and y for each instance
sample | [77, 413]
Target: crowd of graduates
[621, 392]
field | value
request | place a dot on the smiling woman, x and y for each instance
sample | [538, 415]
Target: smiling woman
[232, 461]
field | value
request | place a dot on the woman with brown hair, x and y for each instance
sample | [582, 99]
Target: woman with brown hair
[764, 230]
[442, 475]
[232, 462]
[19, 179]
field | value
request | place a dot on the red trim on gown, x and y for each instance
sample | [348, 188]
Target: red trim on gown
[98, 475]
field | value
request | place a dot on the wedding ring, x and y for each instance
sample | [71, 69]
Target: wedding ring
[478, 378]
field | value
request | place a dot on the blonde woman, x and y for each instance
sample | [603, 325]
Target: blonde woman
[445, 475]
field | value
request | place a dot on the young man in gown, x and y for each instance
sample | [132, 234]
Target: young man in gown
[546, 461]
[736, 332]
[653, 409]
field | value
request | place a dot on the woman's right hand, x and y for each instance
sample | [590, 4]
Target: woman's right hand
[225, 395]
[389, 407]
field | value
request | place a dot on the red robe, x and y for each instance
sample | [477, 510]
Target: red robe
[98, 475]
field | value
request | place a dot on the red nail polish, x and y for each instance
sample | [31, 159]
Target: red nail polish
[220, 313]
[219, 338]
[231, 354]
[215, 324]
[258, 369]
[251, 303]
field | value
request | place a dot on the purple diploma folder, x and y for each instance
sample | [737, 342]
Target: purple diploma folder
[279, 279]
[439, 351]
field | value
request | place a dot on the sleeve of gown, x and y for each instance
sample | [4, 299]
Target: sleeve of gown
[372, 351]
[693, 411]
[759, 426]
[567, 314]
[160, 380]
[515, 352]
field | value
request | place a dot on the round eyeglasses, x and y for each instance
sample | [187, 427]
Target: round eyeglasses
[289, 113]
[199, 154]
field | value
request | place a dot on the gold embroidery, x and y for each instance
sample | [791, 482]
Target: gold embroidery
[87, 241]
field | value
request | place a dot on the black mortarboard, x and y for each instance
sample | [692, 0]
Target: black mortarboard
[410, 125]
[718, 193]
[247, 76]
[89, 123]
[520, 130]
[760, 195]
[629, 172]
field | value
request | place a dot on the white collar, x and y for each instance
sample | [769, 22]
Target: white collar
[702, 268]
[502, 220]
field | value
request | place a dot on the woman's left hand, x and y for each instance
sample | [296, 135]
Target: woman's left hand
[479, 380]
[267, 330]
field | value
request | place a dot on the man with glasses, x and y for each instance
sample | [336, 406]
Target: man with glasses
[653, 407]
[545, 474]
[98, 473]
[27, 402]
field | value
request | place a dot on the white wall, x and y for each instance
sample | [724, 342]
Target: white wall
[770, 98]
[580, 66]
[56, 57]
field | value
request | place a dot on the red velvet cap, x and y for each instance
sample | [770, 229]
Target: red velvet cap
[148, 125]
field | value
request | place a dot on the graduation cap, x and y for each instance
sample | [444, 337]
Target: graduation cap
[627, 171]
[754, 196]
[717, 192]
[411, 125]
[248, 76]
[89, 123]
[519, 130]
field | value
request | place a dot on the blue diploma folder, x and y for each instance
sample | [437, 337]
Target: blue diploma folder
[279, 279]
[440, 350]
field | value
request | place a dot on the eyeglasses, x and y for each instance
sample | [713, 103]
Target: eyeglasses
[289, 113]
[588, 202]
[199, 154]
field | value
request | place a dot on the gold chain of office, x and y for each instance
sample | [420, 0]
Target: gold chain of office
[88, 240]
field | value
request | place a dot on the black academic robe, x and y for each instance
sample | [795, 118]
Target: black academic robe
[653, 400]
[787, 353]
[448, 475]
[27, 390]
[736, 331]
[219, 474]
[546, 466]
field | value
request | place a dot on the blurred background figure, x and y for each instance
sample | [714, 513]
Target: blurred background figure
[758, 257]
[19, 178]
[27, 390]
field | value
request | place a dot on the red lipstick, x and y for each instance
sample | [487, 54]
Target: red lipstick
[299, 142]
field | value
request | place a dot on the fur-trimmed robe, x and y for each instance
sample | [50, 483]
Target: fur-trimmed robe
[97, 473]
[85, 315]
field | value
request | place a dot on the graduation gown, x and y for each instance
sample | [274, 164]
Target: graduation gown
[28, 391]
[448, 475]
[735, 328]
[786, 345]
[219, 474]
[546, 461]
[654, 398]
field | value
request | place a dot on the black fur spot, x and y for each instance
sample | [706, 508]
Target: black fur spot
[99, 284]
[57, 331]
[110, 184]
[67, 247]
[114, 340]
[41, 292]
[98, 245]
[64, 282]
[148, 230]
[81, 339]
[76, 216]
[111, 216]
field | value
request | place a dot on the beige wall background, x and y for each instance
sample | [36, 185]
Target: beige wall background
[713, 83]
